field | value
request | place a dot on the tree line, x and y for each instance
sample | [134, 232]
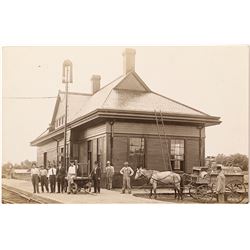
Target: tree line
[235, 160]
[6, 167]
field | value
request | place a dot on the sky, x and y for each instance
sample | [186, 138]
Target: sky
[213, 79]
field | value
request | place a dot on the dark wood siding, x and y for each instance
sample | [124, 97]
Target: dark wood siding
[120, 154]
[203, 151]
[154, 158]
[191, 154]
[151, 129]
[120, 151]
[83, 157]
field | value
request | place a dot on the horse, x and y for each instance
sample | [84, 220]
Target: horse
[166, 177]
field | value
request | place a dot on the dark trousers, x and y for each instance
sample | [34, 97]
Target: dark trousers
[35, 182]
[44, 182]
[60, 184]
[52, 181]
[97, 185]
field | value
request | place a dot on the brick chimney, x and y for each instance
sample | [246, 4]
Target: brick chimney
[96, 80]
[128, 60]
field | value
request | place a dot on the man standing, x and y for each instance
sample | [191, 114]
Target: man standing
[77, 167]
[35, 173]
[220, 185]
[127, 172]
[71, 175]
[109, 175]
[96, 177]
[52, 178]
[60, 175]
[44, 178]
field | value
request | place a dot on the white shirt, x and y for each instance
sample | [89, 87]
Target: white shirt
[43, 172]
[35, 171]
[52, 171]
[72, 170]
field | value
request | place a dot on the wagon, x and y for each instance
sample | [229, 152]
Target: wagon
[80, 183]
[201, 187]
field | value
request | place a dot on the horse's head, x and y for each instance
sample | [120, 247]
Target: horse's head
[138, 173]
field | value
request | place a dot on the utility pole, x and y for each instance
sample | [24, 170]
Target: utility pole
[67, 78]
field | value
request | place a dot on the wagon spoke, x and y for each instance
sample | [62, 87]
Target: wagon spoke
[205, 193]
[193, 191]
[235, 192]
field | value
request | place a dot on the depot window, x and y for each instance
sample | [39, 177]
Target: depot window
[137, 152]
[177, 154]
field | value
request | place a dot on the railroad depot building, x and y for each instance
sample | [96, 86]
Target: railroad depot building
[118, 122]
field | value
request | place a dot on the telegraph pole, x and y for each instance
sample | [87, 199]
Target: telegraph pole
[67, 78]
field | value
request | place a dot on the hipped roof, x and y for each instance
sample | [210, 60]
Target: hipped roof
[126, 93]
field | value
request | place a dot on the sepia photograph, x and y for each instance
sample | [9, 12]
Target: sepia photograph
[125, 124]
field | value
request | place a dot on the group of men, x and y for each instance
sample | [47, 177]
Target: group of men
[54, 175]
[48, 177]
[126, 172]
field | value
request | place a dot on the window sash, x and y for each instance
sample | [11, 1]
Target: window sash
[177, 154]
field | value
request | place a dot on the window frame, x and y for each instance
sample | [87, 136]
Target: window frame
[175, 159]
[144, 148]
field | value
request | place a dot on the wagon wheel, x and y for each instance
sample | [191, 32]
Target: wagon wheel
[74, 188]
[192, 191]
[235, 191]
[204, 194]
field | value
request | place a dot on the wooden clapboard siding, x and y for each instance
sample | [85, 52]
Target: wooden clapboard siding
[83, 156]
[92, 131]
[120, 151]
[191, 154]
[51, 149]
[83, 152]
[52, 155]
[203, 151]
[105, 150]
[120, 154]
[39, 157]
[94, 151]
[151, 129]
[154, 159]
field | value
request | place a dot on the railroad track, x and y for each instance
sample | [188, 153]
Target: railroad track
[5, 201]
[12, 196]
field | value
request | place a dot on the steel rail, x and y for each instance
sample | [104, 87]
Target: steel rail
[23, 195]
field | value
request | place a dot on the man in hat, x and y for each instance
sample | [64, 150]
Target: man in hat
[96, 177]
[220, 185]
[127, 172]
[35, 174]
[109, 175]
[52, 178]
[71, 175]
[60, 176]
[44, 178]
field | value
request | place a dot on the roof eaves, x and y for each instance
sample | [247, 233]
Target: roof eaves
[47, 136]
[56, 106]
[203, 113]
[164, 114]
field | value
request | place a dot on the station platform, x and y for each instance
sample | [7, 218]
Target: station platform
[105, 197]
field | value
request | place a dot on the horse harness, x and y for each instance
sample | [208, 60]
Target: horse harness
[151, 177]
